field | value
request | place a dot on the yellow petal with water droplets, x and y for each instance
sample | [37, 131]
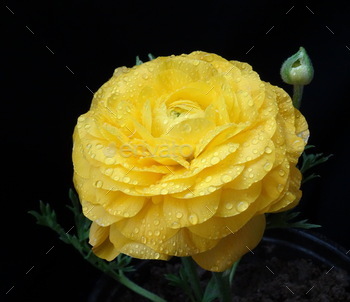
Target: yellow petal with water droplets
[232, 247]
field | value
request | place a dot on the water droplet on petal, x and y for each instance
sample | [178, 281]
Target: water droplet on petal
[267, 166]
[214, 160]
[136, 230]
[164, 191]
[242, 206]
[178, 215]
[211, 189]
[268, 150]
[281, 172]
[98, 183]
[226, 178]
[156, 256]
[157, 232]
[193, 219]
[229, 206]
[208, 178]
[175, 225]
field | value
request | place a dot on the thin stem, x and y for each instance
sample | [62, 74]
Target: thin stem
[121, 278]
[233, 271]
[136, 288]
[297, 95]
[191, 272]
[224, 287]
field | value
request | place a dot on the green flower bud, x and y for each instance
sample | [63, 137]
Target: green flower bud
[297, 69]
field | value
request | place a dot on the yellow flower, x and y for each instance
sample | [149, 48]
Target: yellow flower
[182, 156]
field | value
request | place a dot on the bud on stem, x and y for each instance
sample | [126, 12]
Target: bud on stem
[297, 70]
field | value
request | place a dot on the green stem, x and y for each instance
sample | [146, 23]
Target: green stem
[191, 272]
[136, 288]
[223, 285]
[233, 271]
[297, 95]
[121, 278]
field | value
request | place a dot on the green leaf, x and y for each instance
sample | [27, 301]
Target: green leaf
[151, 57]
[138, 61]
[309, 161]
[283, 220]
[82, 223]
[211, 291]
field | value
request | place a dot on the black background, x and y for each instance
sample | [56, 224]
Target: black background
[55, 54]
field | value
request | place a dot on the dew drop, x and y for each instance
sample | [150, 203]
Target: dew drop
[208, 179]
[242, 206]
[214, 160]
[109, 171]
[156, 256]
[136, 230]
[267, 166]
[143, 239]
[178, 215]
[98, 183]
[186, 128]
[157, 233]
[156, 222]
[226, 178]
[193, 219]
[164, 191]
[211, 189]
[175, 225]
[126, 179]
[229, 206]
[280, 187]
[281, 172]
[268, 150]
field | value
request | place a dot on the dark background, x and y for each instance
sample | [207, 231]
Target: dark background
[55, 54]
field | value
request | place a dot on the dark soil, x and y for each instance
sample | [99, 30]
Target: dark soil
[260, 277]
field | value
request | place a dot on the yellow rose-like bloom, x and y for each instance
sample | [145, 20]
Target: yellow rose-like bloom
[182, 156]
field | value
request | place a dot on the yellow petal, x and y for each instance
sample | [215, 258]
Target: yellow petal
[106, 250]
[232, 247]
[132, 248]
[190, 211]
[219, 227]
[98, 234]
